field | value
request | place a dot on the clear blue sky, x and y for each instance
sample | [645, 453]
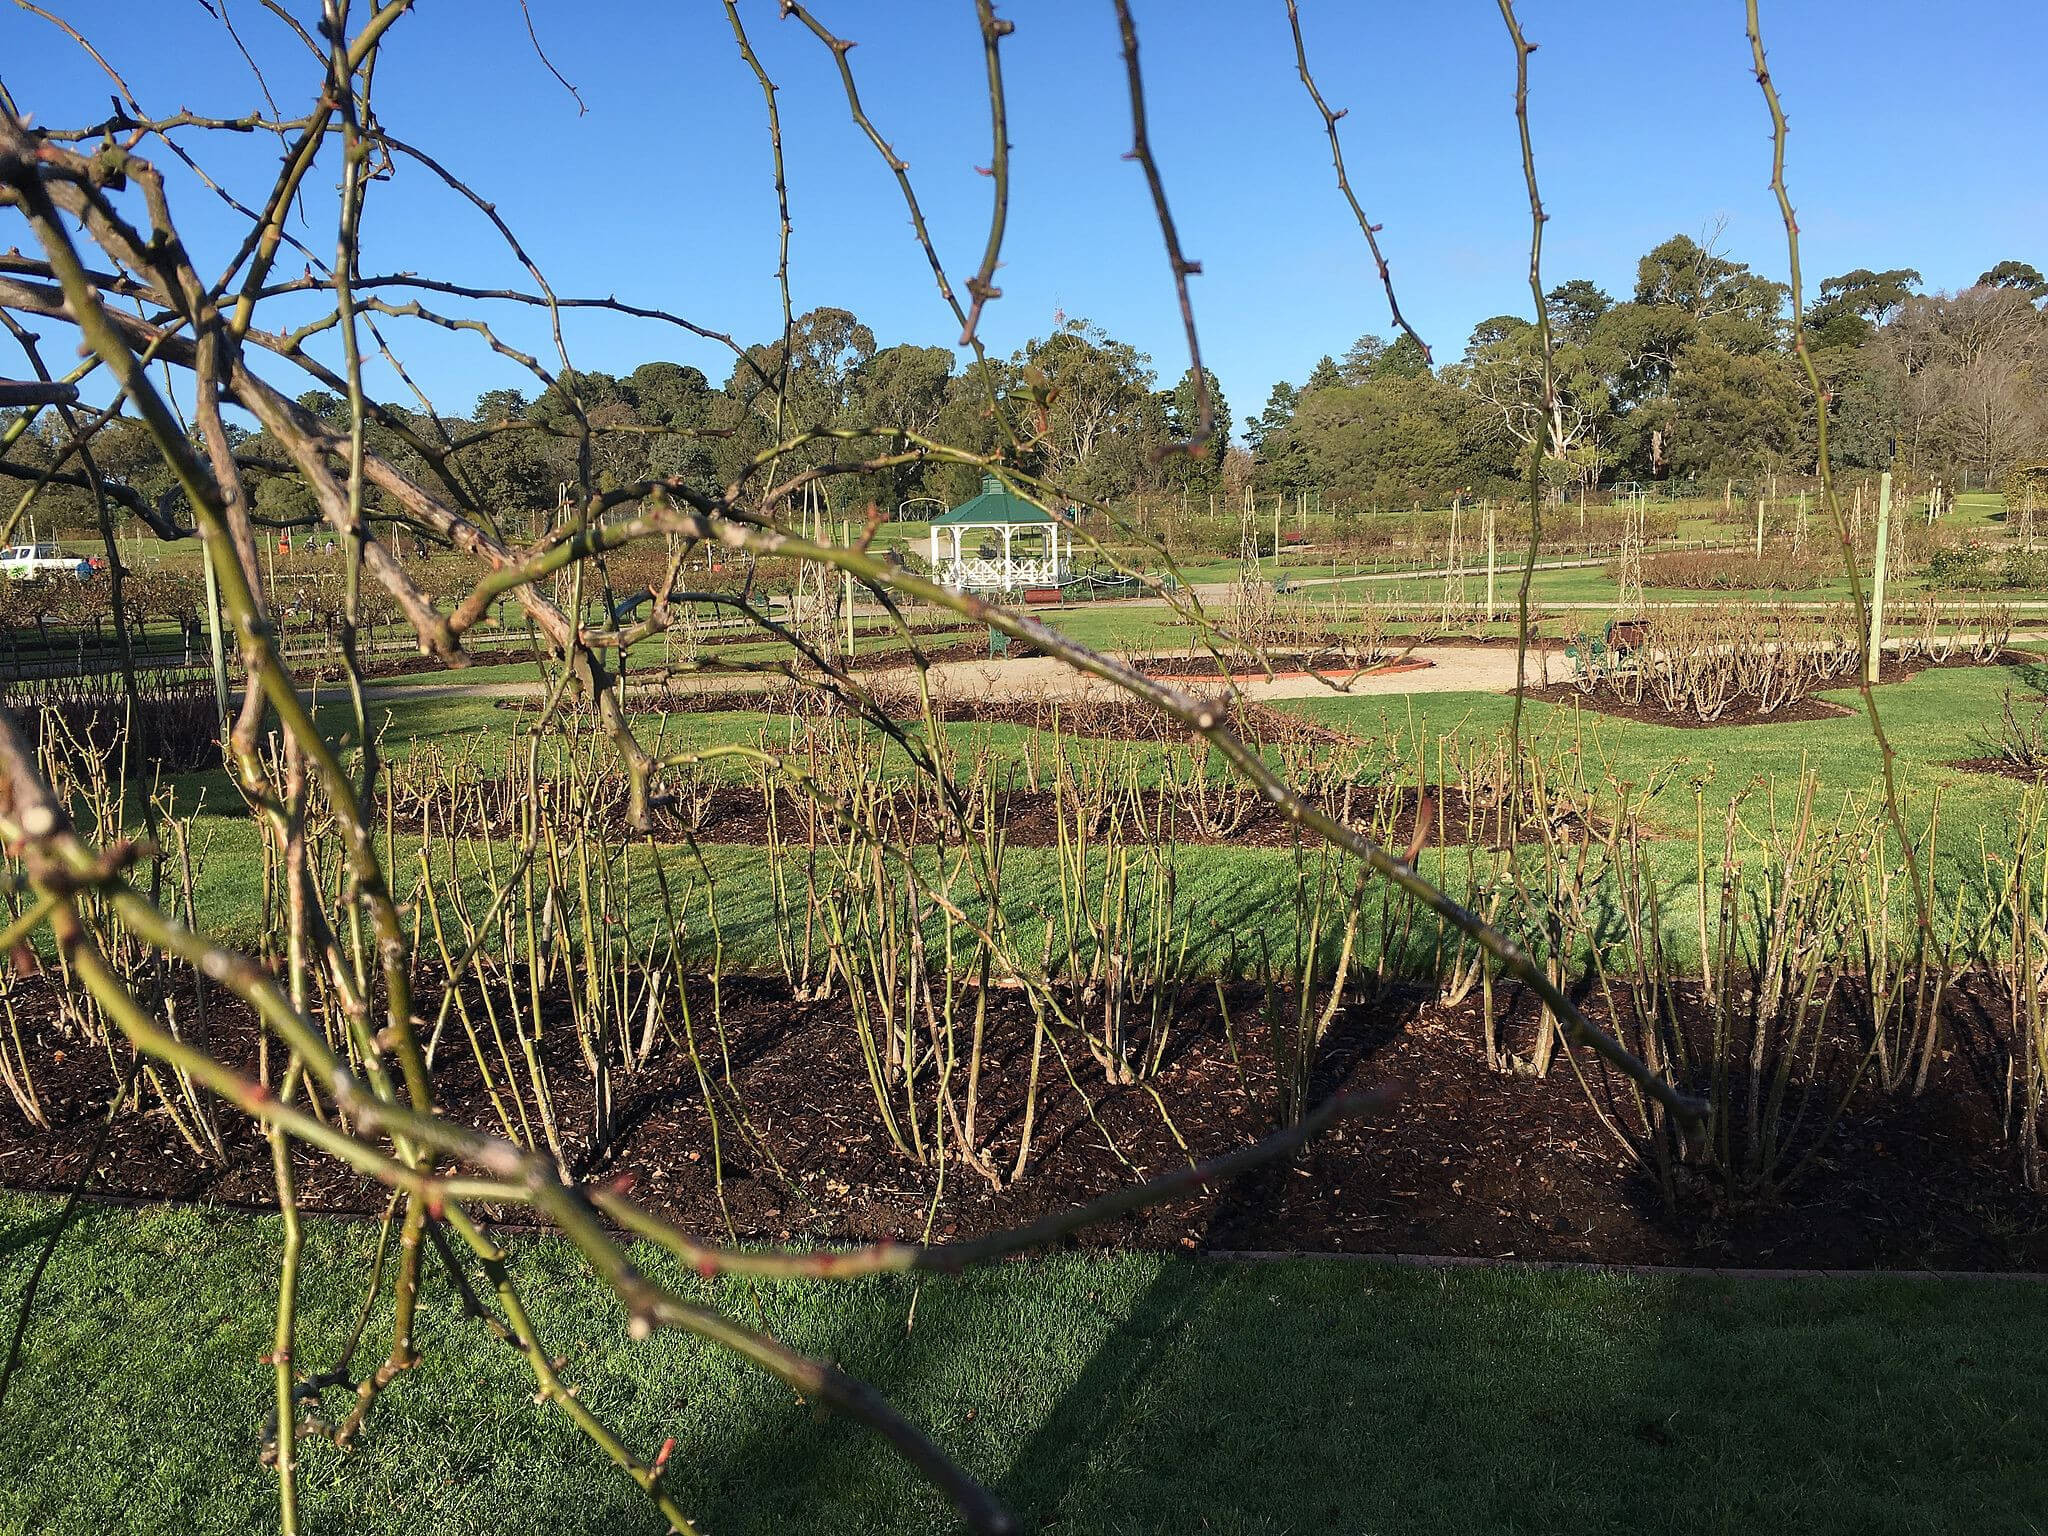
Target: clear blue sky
[1914, 132]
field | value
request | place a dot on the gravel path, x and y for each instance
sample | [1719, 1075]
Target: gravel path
[1451, 669]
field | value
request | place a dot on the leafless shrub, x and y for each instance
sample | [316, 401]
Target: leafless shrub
[1720, 570]
[547, 915]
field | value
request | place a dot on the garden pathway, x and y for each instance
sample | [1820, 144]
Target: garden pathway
[1451, 669]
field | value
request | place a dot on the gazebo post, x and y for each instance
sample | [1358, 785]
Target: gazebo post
[933, 535]
[993, 511]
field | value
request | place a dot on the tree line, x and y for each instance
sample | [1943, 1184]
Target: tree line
[1077, 406]
[1692, 376]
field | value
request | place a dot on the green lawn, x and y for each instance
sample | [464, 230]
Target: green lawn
[1593, 584]
[1117, 1394]
[1933, 720]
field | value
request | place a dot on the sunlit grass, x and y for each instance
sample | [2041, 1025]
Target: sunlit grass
[1096, 1394]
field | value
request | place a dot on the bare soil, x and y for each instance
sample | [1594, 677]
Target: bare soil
[306, 670]
[1031, 818]
[1111, 717]
[1468, 1162]
[1742, 711]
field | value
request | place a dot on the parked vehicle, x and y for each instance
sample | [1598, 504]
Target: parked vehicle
[25, 562]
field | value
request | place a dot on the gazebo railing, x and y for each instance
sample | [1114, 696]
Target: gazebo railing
[1000, 575]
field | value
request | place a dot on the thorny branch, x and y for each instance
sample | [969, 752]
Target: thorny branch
[370, 1103]
[1780, 131]
[1370, 230]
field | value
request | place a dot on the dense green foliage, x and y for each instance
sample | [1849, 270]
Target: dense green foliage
[1690, 377]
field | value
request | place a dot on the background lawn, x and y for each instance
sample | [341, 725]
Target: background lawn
[1936, 719]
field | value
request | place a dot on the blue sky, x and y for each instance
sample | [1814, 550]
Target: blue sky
[1914, 128]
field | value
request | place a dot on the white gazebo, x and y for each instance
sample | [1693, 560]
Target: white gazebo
[999, 542]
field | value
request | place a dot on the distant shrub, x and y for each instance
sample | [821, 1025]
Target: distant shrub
[2026, 489]
[1966, 567]
[2026, 568]
[176, 719]
[1720, 570]
[1973, 566]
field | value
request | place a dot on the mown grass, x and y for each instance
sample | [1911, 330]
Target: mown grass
[1229, 894]
[1592, 587]
[1113, 1394]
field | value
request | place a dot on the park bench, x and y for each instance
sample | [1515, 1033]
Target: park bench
[1588, 655]
[1594, 655]
[1626, 635]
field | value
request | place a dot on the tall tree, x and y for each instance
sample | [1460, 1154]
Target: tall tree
[2019, 275]
[1360, 358]
[1575, 308]
[1090, 407]
[1280, 403]
[1849, 308]
[1182, 405]
[1390, 439]
[1325, 375]
[1490, 333]
[1405, 359]
[901, 387]
[681, 399]
[1736, 412]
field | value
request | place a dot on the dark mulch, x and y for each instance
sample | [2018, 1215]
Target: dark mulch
[1468, 1162]
[1652, 712]
[307, 670]
[1233, 813]
[1115, 717]
[886, 650]
[1119, 717]
[2003, 767]
[1742, 711]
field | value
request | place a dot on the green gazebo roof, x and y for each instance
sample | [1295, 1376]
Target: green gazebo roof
[992, 508]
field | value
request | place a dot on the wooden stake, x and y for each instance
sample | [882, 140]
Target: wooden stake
[1884, 529]
[1489, 562]
[846, 537]
[220, 660]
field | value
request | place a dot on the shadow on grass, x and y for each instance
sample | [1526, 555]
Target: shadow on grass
[1097, 1394]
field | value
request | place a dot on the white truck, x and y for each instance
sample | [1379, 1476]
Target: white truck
[25, 562]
